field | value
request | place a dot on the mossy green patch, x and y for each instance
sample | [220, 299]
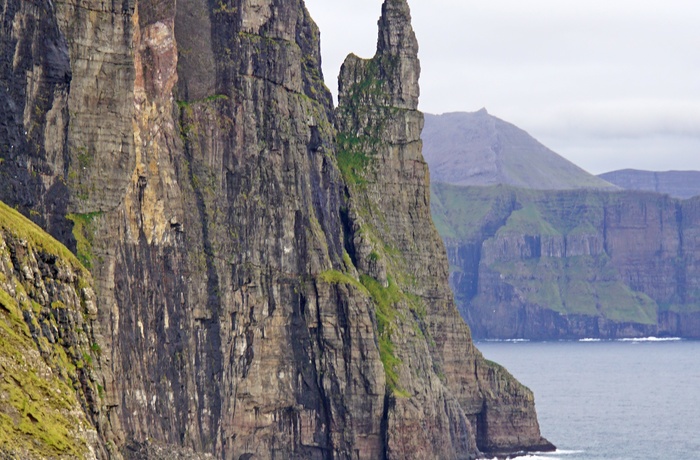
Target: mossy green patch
[386, 300]
[23, 228]
[527, 221]
[336, 277]
[625, 305]
[352, 161]
[84, 228]
[34, 410]
[581, 285]
[41, 411]
[462, 212]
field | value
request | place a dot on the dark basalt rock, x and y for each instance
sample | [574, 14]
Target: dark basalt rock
[258, 297]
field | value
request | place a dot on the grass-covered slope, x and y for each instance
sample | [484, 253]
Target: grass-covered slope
[49, 353]
[567, 264]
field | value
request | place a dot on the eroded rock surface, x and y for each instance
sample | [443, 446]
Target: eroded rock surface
[438, 378]
[52, 388]
[258, 298]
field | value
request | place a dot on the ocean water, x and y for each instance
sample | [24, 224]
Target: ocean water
[619, 400]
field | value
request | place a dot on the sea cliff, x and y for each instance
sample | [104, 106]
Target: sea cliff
[268, 282]
[550, 265]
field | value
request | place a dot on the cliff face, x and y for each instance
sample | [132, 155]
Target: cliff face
[259, 296]
[425, 347]
[678, 184]
[565, 265]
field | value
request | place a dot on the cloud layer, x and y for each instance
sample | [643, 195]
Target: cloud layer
[609, 84]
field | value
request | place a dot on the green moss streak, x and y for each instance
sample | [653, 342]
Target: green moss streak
[84, 228]
[386, 300]
[352, 161]
[336, 277]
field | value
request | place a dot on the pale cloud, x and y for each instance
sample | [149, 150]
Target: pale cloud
[608, 84]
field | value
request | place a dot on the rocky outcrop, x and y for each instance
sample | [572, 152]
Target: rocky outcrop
[258, 295]
[571, 264]
[52, 389]
[678, 184]
[477, 148]
[393, 242]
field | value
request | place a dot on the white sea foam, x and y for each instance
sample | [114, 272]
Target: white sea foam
[507, 340]
[652, 339]
[539, 457]
[590, 340]
[549, 455]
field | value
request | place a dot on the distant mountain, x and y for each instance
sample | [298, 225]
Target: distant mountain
[477, 148]
[678, 184]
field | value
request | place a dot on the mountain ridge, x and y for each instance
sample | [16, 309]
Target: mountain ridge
[678, 184]
[476, 148]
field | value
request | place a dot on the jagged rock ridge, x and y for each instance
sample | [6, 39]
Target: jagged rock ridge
[678, 184]
[258, 296]
[477, 148]
[571, 264]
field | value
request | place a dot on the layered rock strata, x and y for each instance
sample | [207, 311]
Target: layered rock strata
[393, 242]
[257, 297]
[571, 264]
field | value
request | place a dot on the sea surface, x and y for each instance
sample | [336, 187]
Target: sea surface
[612, 400]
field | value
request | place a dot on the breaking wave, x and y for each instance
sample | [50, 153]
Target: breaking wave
[505, 340]
[556, 455]
[638, 339]
[652, 339]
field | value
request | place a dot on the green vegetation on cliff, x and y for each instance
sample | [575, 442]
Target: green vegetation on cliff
[36, 404]
[614, 256]
[386, 300]
[580, 285]
[21, 227]
[84, 227]
[45, 355]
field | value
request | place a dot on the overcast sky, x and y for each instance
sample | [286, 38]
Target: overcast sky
[609, 84]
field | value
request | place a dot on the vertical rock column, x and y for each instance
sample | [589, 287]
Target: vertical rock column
[442, 388]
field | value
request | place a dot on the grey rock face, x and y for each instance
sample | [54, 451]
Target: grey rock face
[398, 248]
[248, 309]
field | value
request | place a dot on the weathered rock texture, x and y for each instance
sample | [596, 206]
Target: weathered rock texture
[441, 394]
[678, 184]
[571, 264]
[254, 301]
[52, 394]
[477, 148]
